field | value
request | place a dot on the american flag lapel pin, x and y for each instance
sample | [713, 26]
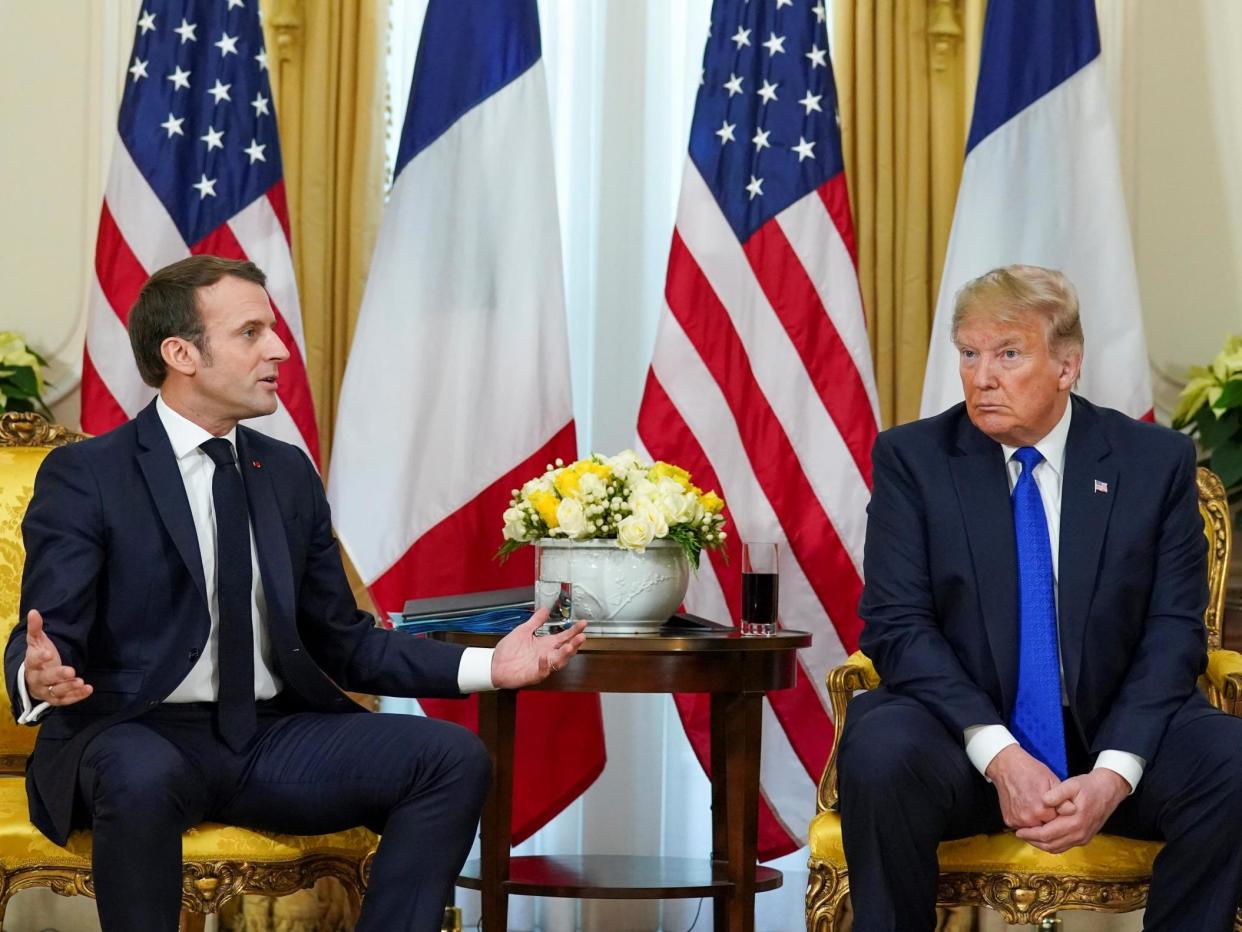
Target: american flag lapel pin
[1101, 486]
[257, 465]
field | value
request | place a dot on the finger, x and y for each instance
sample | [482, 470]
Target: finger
[34, 627]
[574, 641]
[72, 694]
[1046, 833]
[1061, 792]
[536, 621]
[55, 676]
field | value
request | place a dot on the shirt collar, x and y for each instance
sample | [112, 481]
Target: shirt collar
[184, 435]
[1052, 447]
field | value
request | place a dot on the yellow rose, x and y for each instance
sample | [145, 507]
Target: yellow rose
[676, 473]
[545, 503]
[712, 503]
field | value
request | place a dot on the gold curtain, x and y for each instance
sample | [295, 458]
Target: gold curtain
[327, 68]
[906, 73]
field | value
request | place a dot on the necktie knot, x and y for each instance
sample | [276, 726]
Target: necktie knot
[219, 449]
[1029, 457]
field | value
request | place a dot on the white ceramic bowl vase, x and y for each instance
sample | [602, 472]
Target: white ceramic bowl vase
[617, 591]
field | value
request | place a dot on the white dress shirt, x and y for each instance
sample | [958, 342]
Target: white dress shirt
[984, 742]
[202, 683]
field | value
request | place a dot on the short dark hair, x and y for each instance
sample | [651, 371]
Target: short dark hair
[167, 307]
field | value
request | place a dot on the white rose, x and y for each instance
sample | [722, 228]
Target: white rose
[542, 484]
[515, 524]
[651, 512]
[634, 533]
[686, 509]
[591, 486]
[572, 518]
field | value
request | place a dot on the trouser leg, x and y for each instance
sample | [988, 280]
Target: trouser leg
[1191, 797]
[140, 793]
[419, 782]
[905, 785]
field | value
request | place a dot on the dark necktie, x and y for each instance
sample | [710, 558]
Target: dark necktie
[235, 708]
[1036, 720]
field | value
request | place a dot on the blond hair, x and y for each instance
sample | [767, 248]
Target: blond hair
[1016, 292]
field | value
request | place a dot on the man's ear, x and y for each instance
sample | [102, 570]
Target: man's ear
[1071, 368]
[180, 355]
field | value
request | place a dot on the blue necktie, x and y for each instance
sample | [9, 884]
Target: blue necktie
[1036, 720]
[235, 708]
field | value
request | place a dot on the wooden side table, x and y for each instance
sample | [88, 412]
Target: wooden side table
[736, 671]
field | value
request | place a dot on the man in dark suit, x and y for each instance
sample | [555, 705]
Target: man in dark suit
[188, 629]
[1035, 588]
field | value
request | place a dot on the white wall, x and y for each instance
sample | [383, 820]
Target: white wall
[61, 65]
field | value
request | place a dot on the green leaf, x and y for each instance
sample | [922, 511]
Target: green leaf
[507, 548]
[1230, 397]
[18, 404]
[1213, 430]
[25, 381]
[1227, 463]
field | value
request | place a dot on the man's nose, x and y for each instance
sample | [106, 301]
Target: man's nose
[983, 376]
[276, 349]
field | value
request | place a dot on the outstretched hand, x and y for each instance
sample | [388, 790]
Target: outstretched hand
[47, 679]
[522, 659]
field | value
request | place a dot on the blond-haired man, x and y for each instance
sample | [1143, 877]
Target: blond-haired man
[1035, 587]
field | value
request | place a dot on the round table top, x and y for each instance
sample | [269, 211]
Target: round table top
[663, 641]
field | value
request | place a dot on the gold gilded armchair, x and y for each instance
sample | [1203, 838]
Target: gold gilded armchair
[219, 862]
[1022, 883]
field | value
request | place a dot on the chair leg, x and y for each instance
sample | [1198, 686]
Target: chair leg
[826, 893]
[190, 922]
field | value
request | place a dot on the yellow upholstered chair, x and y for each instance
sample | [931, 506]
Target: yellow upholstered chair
[1022, 883]
[220, 862]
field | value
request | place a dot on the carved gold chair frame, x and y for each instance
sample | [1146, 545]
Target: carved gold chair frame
[220, 862]
[1111, 874]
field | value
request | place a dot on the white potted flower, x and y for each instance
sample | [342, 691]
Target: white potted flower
[625, 532]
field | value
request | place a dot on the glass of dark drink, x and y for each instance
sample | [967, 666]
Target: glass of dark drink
[759, 589]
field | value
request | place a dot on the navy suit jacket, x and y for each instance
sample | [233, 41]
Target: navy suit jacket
[113, 565]
[940, 601]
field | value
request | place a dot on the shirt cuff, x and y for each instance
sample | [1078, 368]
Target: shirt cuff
[984, 742]
[1128, 766]
[29, 715]
[474, 674]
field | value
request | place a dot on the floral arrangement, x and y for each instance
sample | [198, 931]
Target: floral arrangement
[1210, 408]
[617, 497]
[21, 376]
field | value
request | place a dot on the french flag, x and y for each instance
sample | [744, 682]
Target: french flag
[457, 387]
[1041, 185]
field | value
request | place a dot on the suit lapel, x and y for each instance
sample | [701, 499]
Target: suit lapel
[269, 532]
[983, 493]
[163, 477]
[1084, 521]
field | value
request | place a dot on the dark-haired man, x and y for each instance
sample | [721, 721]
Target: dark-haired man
[1035, 588]
[187, 629]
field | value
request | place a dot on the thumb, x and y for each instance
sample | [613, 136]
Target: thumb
[535, 621]
[34, 626]
[1062, 792]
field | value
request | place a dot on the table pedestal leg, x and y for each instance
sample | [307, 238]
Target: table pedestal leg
[497, 717]
[737, 723]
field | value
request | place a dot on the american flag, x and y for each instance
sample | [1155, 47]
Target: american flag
[761, 381]
[195, 169]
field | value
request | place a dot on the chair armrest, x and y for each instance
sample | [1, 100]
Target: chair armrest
[1224, 680]
[856, 673]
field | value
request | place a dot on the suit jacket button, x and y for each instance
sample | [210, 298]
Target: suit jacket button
[194, 652]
